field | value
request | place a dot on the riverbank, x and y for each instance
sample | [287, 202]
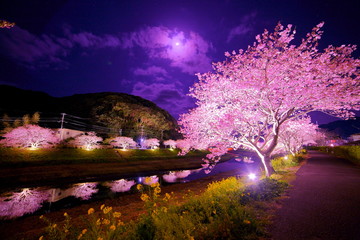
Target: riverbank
[35, 172]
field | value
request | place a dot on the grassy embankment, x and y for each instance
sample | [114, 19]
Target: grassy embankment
[234, 208]
[57, 156]
[23, 167]
[351, 153]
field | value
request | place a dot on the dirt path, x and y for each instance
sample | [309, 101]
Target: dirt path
[323, 204]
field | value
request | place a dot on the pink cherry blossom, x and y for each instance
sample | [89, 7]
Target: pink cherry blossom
[121, 185]
[84, 190]
[123, 142]
[23, 202]
[248, 97]
[32, 136]
[151, 143]
[88, 140]
[171, 143]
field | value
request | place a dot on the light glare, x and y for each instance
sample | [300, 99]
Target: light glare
[252, 176]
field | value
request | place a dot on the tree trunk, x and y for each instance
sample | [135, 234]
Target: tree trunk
[267, 165]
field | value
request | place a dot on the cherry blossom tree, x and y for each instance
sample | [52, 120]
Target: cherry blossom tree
[184, 145]
[248, 97]
[171, 143]
[88, 140]
[294, 134]
[23, 202]
[30, 136]
[123, 142]
[151, 143]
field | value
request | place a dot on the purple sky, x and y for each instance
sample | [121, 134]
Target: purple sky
[147, 48]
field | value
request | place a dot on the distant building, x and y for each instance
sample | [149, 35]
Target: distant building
[66, 133]
[354, 137]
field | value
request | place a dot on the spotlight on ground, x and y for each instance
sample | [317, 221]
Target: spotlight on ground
[252, 176]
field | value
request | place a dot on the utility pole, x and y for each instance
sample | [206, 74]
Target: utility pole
[62, 125]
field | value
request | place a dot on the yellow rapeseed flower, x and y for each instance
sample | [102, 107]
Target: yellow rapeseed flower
[120, 223]
[144, 197]
[66, 215]
[112, 227]
[157, 190]
[139, 187]
[247, 222]
[100, 238]
[84, 231]
[116, 214]
[80, 236]
[54, 226]
[147, 180]
[98, 222]
[102, 206]
[91, 211]
[41, 217]
[41, 238]
[154, 185]
[106, 210]
[106, 221]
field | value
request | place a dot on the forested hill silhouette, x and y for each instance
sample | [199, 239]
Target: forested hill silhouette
[109, 109]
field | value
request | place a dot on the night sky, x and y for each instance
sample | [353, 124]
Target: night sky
[147, 48]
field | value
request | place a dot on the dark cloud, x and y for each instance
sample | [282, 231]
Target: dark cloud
[34, 51]
[150, 71]
[246, 26]
[167, 96]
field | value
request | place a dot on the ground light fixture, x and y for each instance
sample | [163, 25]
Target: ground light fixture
[252, 176]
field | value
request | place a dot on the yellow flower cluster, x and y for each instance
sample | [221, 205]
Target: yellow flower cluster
[144, 197]
[91, 211]
[106, 210]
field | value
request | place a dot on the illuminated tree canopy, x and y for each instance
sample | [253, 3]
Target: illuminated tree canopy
[30, 136]
[249, 96]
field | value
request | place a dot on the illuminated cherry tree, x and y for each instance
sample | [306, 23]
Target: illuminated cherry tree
[294, 134]
[23, 202]
[151, 143]
[30, 136]
[123, 142]
[184, 145]
[170, 143]
[88, 140]
[248, 97]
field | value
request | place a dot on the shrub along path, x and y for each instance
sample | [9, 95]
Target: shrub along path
[324, 202]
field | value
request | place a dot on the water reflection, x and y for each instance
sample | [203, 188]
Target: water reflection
[121, 185]
[26, 201]
[84, 190]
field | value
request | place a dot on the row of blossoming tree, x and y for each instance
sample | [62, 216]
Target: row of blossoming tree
[258, 95]
[33, 136]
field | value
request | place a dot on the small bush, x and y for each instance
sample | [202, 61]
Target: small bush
[265, 190]
[351, 153]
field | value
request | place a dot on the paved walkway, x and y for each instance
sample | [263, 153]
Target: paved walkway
[324, 202]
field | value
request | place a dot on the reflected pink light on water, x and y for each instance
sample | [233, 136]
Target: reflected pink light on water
[21, 203]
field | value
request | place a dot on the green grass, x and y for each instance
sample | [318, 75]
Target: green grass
[351, 153]
[56, 156]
